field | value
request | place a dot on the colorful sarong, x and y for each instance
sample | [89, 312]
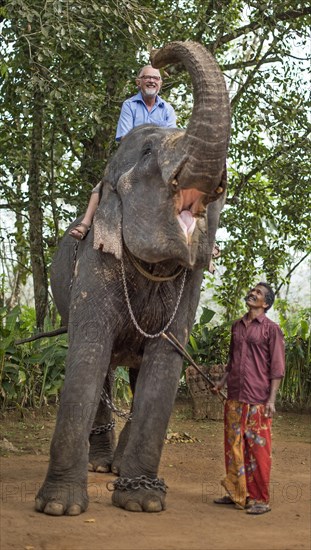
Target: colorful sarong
[247, 452]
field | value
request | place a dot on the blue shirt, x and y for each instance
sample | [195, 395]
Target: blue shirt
[134, 112]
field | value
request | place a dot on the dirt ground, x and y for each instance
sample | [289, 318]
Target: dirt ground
[192, 466]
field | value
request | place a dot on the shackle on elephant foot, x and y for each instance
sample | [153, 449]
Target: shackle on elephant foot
[140, 500]
[138, 494]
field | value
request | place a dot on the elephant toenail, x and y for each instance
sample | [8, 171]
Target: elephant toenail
[133, 506]
[74, 510]
[54, 509]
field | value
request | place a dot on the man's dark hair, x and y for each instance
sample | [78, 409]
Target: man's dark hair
[269, 298]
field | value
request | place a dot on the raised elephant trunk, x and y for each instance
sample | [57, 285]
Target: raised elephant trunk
[198, 156]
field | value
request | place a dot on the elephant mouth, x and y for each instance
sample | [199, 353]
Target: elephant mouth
[189, 205]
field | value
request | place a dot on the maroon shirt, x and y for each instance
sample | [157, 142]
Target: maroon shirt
[257, 355]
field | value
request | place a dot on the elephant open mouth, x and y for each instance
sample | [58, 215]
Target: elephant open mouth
[190, 204]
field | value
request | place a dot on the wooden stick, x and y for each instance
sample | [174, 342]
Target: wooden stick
[178, 346]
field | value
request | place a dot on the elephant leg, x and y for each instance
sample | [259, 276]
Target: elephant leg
[138, 488]
[125, 433]
[102, 436]
[64, 490]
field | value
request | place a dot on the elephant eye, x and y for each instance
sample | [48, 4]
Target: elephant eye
[147, 150]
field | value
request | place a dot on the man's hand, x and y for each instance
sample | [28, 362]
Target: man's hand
[270, 405]
[270, 409]
[220, 384]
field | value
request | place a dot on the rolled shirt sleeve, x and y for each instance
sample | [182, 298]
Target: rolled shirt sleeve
[171, 117]
[277, 352]
[125, 123]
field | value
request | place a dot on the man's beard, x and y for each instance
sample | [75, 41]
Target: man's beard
[150, 93]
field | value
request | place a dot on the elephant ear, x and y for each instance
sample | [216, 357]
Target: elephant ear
[108, 223]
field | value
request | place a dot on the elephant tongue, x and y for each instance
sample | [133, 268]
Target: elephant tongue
[187, 222]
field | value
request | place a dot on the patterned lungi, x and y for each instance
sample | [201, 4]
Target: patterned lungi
[247, 452]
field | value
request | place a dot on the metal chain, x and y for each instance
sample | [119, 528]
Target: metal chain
[135, 483]
[106, 400]
[75, 251]
[103, 429]
[140, 330]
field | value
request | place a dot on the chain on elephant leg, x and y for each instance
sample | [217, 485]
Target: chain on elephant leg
[139, 494]
[102, 444]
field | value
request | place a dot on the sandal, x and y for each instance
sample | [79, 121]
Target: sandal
[76, 233]
[259, 508]
[224, 500]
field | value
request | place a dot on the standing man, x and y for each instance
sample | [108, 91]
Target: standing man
[146, 107]
[255, 368]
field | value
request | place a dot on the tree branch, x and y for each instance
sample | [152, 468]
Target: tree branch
[245, 178]
[252, 73]
[291, 271]
[250, 63]
[266, 20]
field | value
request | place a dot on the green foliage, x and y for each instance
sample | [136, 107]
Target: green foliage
[209, 345]
[77, 61]
[32, 374]
[122, 391]
[296, 385]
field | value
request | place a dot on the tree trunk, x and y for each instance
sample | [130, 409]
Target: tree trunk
[35, 212]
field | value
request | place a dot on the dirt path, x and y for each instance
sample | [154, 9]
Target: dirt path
[191, 470]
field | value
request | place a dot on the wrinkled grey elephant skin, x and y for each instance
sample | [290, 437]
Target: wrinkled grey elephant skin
[162, 194]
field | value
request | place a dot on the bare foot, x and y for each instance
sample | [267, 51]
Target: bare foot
[80, 231]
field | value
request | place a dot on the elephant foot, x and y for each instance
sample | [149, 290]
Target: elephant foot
[116, 465]
[99, 466]
[148, 495]
[62, 499]
[101, 452]
[141, 500]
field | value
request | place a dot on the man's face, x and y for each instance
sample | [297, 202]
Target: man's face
[149, 82]
[256, 297]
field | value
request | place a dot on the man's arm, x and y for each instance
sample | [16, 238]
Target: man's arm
[126, 122]
[171, 117]
[270, 405]
[277, 367]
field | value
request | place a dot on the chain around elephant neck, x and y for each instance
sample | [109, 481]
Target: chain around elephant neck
[150, 276]
[140, 330]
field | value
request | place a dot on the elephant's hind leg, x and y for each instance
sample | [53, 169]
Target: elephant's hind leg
[102, 437]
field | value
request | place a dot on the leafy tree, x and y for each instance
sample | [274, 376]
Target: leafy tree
[68, 66]
[60, 96]
[262, 48]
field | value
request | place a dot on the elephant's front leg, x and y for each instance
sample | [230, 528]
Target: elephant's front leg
[64, 490]
[138, 488]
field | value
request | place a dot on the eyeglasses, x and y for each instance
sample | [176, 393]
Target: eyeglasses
[150, 77]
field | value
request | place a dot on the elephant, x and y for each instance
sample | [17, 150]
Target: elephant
[135, 276]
